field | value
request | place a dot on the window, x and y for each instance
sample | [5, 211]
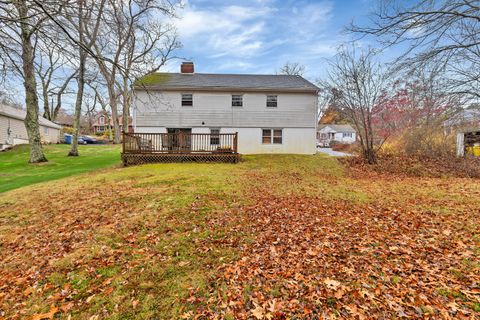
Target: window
[266, 136]
[187, 100]
[347, 135]
[215, 136]
[270, 136]
[277, 136]
[237, 100]
[272, 101]
[102, 120]
[45, 130]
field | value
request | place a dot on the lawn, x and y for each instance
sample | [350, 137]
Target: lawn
[15, 172]
[273, 237]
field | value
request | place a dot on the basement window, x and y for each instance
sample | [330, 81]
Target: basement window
[187, 100]
[272, 136]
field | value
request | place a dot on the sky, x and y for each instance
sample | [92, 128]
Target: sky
[259, 36]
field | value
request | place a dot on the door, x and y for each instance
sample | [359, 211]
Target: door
[180, 139]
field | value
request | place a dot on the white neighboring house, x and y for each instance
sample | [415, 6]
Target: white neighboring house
[342, 133]
[271, 113]
[13, 131]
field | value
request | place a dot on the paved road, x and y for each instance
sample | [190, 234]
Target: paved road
[332, 153]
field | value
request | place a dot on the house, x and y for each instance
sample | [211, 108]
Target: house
[104, 122]
[13, 131]
[250, 114]
[342, 133]
[463, 120]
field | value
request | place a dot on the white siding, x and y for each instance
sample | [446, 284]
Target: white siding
[338, 136]
[294, 140]
[18, 132]
[214, 109]
[295, 114]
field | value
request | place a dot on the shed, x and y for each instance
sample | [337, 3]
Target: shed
[468, 142]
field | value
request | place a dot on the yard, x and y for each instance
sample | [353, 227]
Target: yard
[15, 172]
[273, 237]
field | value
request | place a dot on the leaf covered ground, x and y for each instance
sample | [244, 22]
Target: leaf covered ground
[274, 237]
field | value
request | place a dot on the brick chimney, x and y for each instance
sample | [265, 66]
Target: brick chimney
[187, 67]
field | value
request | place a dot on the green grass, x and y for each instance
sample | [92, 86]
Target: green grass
[16, 172]
[143, 238]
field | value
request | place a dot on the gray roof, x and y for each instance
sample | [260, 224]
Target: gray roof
[337, 127]
[20, 114]
[466, 115]
[225, 82]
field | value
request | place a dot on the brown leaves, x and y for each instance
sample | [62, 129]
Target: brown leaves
[48, 315]
[322, 259]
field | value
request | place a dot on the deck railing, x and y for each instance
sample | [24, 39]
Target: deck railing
[180, 143]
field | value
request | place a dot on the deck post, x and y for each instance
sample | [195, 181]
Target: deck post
[235, 143]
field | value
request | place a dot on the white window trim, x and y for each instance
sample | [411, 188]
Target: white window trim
[181, 99]
[266, 100]
[231, 100]
[219, 131]
[271, 137]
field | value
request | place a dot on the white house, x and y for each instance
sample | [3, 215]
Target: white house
[342, 133]
[271, 113]
[13, 131]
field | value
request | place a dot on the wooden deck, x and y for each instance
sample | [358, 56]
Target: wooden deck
[140, 148]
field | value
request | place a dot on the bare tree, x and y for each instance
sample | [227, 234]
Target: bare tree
[444, 32]
[20, 24]
[53, 75]
[131, 38]
[292, 68]
[84, 18]
[355, 84]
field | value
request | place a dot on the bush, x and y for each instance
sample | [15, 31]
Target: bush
[427, 141]
[68, 130]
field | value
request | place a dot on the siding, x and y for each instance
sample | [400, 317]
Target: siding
[19, 132]
[213, 109]
[294, 140]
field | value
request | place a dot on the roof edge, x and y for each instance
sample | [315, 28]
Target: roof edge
[227, 89]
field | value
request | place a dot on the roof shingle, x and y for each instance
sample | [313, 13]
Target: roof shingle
[206, 81]
[20, 114]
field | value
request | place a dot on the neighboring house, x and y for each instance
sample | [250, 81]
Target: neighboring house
[103, 122]
[466, 119]
[342, 133]
[13, 131]
[270, 113]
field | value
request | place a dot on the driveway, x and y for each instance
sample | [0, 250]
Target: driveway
[332, 153]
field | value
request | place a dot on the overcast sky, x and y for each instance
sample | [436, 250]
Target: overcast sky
[259, 36]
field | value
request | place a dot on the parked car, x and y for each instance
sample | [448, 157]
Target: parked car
[69, 138]
[89, 140]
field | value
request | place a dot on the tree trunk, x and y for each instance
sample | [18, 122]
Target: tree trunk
[78, 104]
[126, 104]
[46, 106]
[80, 82]
[31, 98]
[114, 107]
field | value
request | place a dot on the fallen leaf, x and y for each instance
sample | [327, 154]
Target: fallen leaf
[258, 312]
[48, 315]
[332, 284]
